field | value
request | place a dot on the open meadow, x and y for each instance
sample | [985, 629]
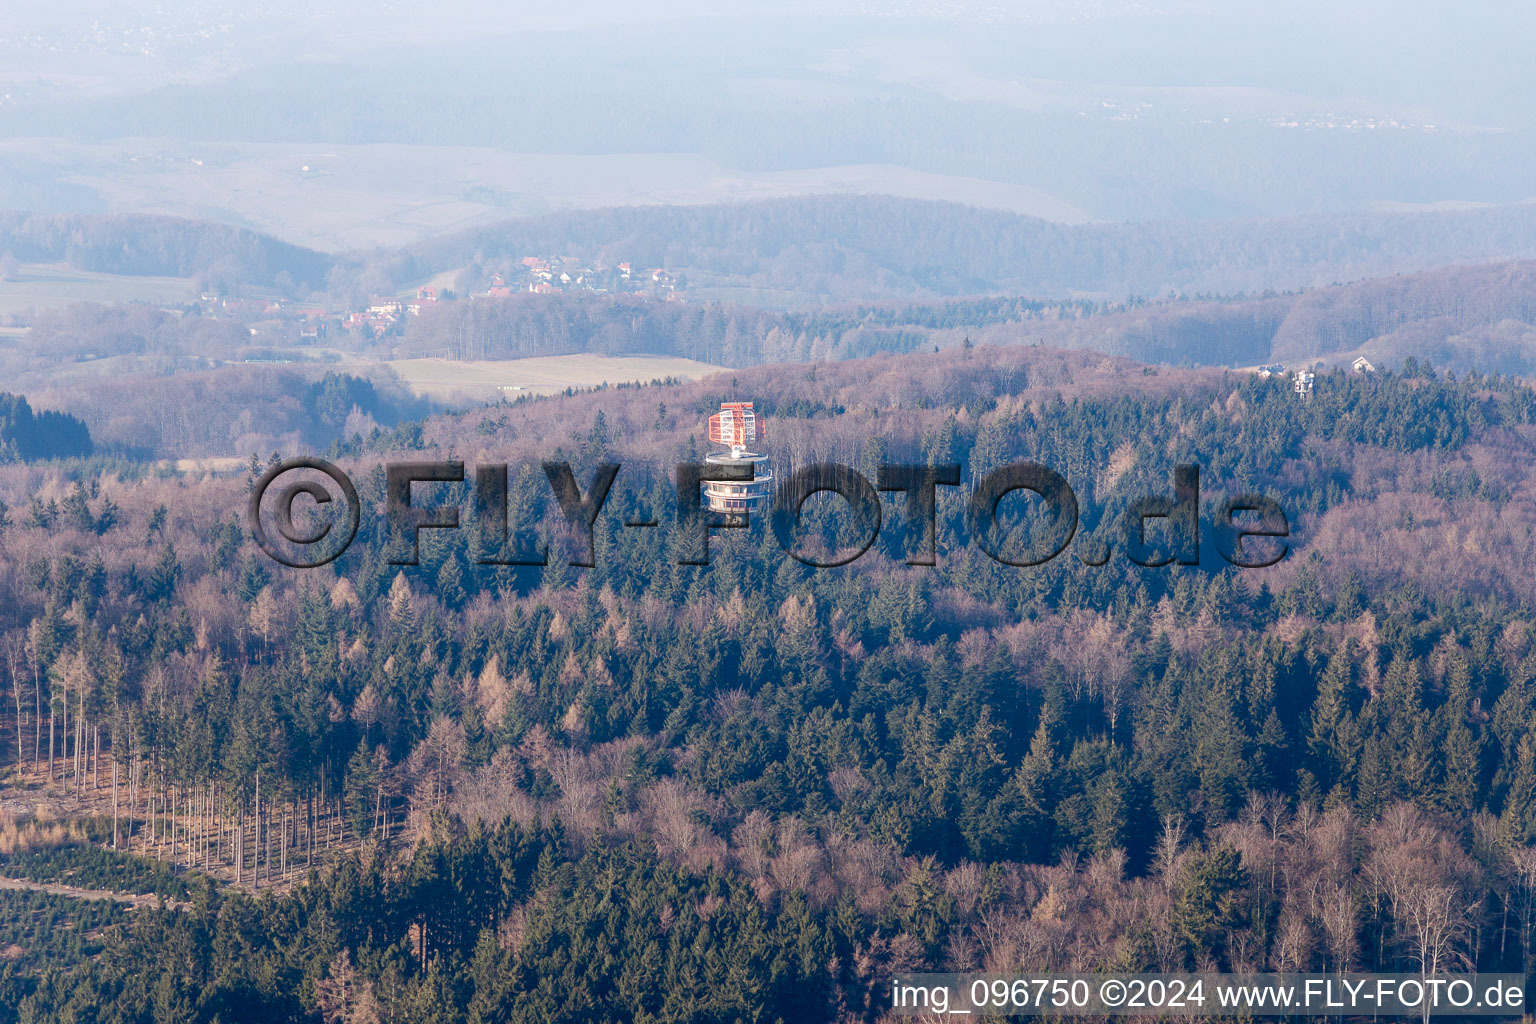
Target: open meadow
[40, 286]
[483, 380]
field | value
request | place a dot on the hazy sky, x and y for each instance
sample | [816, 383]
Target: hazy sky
[1470, 61]
[1109, 110]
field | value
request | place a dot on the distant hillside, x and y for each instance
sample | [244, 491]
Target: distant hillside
[881, 271]
[875, 248]
[808, 252]
[155, 245]
[1463, 317]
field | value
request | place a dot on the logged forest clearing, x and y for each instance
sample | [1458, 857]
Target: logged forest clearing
[134, 900]
[187, 829]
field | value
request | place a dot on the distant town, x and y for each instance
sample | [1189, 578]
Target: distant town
[383, 314]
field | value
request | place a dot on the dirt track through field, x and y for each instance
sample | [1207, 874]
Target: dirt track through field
[135, 900]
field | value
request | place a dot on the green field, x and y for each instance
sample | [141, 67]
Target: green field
[486, 380]
[49, 285]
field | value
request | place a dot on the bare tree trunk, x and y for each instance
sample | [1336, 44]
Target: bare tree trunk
[37, 716]
[134, 767]
[114, 803]
[12, 658]
[63, 728]
[128, 784]
[80, 736]
[50, 742]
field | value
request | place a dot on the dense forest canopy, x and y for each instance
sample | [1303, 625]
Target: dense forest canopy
[468, 792]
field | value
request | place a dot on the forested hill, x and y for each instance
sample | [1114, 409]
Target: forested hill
[456, 792]
[794, 251]
[807, 252]
[1479, 317]
[163, 246]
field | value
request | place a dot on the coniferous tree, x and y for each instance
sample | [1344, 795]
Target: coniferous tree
[1207, 901]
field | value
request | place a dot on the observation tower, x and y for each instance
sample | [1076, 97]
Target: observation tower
[736, 426]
